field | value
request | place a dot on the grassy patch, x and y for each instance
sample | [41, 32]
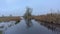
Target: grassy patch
[50, 18]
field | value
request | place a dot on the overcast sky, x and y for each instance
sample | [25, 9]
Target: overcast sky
[17, 7]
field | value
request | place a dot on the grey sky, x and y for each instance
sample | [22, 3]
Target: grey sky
[17, 7]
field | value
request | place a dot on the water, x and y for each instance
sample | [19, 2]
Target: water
[5, 25]
[35, 28]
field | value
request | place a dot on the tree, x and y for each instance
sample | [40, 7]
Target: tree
[28, 13]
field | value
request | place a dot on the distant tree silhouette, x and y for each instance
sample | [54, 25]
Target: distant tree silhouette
[28, 13]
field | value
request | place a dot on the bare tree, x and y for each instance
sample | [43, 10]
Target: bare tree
[28, 13]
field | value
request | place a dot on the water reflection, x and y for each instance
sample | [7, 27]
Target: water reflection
[5, 25]
[28, 23]
[35, 29]
[53, 27]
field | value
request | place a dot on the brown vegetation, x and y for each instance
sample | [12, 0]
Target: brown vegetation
[49, 18]
[13, 18]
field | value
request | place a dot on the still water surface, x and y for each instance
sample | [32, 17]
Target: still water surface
[35, 28]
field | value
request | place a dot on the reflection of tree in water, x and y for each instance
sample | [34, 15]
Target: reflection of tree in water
[28, 23]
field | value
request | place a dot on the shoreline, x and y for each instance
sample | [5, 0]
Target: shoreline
[53, 19]
[12, 18]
